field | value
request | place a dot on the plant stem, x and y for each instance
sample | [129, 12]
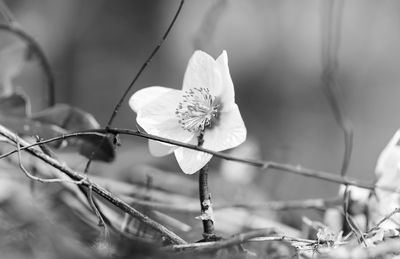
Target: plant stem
[205, 203]
[205, 199]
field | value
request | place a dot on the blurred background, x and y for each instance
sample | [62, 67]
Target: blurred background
[274, 48]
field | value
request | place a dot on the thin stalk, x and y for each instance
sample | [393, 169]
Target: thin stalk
[130, 86]
[205, 203]
[205, 199]
[143, 67]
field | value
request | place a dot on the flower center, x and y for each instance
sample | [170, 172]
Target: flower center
[198, 110]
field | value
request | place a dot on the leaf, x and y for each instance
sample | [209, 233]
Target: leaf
[98, 147]
[53, 122]
[67, 117]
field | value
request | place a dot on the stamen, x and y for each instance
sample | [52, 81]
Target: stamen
[198, 109]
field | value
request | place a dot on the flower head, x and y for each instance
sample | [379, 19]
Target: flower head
[205, 105]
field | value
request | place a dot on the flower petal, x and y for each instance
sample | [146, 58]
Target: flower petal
[144, 96]
[160, 149]
[158, 117]
[229, 131]
[202, 71]
[228, 93]
[190, 160]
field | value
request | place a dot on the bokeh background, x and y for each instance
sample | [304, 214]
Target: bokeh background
[274, 48]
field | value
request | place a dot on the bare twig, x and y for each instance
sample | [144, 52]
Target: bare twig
[204, 247]
[349, 219]
[138, 74]
[37, 50]
[298, 170]
[206, 206]
[39, 179]
[391, 214]
[95, 208]
[96, 188]
[145, 64]
[259, 235]
[284, 238]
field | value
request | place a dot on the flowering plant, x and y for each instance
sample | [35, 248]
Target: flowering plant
[203, 113]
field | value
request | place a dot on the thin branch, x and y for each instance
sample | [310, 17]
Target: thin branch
[349, 219]
[265, 165]
[204, 247]
[96, 188]
[207, 215]
[95, 208]
[37, 50]
[128, 89]
[45, 141]
[391, 214]
[39, 179]
[145, 64]
[284, 238]
[259, 235]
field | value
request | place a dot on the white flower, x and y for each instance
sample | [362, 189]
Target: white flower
[388, 175]
[205, 104]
